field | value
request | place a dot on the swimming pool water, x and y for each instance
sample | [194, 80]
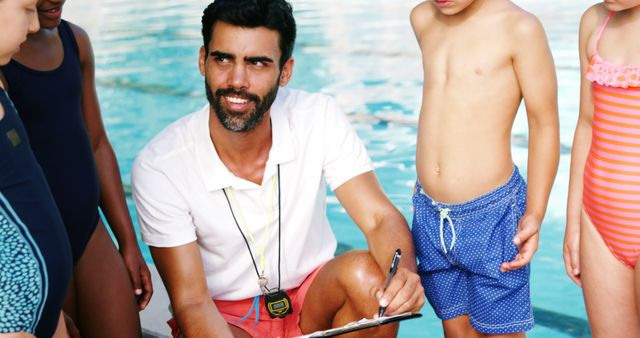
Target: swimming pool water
[364, 54]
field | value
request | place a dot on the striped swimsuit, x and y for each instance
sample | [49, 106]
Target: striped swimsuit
[611, 194]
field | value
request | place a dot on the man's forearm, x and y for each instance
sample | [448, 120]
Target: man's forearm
[392, 233]
[201, 320]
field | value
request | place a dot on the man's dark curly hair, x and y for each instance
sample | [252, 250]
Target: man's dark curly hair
[276, 15]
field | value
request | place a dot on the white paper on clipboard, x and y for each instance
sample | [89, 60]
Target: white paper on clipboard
[362, 324]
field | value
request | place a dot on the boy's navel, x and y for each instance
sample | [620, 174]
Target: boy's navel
[436, 170]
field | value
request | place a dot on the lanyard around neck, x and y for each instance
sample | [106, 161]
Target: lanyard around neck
[241, 220]
[230, 196]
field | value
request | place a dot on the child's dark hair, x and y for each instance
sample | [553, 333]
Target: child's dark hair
[272, 14]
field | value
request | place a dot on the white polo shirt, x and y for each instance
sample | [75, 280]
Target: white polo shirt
[178, 178]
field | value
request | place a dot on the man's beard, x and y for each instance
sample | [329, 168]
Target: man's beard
[240, 121]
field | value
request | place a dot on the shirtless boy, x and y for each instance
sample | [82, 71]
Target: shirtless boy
[476, 221]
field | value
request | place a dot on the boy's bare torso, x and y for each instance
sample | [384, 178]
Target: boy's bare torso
[470, 98]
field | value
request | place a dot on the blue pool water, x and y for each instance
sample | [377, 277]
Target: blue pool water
[364, 54]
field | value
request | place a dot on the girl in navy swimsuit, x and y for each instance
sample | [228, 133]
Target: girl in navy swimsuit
[35, 260]
[35, 257]
[51, 81]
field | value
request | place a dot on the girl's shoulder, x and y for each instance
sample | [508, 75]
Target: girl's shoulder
[590, 23]
[593, 17]
[79, 34]
[598, 69]
[82, 40]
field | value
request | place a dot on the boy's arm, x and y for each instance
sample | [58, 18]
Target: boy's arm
[419, 18]
[534, 68]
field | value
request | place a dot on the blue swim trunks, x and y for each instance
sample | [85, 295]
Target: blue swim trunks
[460, 248]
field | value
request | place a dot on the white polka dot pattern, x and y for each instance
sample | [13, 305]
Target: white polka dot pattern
[466, 279]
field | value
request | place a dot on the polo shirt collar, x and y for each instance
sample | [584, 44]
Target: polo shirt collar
[213, 171]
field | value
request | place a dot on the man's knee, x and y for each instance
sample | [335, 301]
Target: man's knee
[359, 269]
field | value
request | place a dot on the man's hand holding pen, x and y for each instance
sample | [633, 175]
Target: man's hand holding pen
[402, 291]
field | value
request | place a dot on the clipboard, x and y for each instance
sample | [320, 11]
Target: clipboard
[362, 324]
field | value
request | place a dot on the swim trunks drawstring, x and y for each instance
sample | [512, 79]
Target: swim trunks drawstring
[444, 215]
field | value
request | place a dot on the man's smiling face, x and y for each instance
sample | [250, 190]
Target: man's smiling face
[242, 74]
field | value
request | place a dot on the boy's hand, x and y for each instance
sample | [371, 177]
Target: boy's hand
[571, 252]
[527, 240]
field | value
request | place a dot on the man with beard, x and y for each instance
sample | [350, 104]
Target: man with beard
[231, 199]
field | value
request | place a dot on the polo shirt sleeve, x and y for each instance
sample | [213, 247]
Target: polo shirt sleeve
[345, 156]
[163, 214]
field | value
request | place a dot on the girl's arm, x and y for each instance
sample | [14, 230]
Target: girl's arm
[581, 144]
[112, 198]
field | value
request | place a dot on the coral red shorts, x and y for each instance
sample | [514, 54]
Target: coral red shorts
[234, 311]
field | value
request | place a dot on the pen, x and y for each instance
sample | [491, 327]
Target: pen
[392, 272]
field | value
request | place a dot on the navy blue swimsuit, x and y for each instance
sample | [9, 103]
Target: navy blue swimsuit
[35, 257]
[50, 105]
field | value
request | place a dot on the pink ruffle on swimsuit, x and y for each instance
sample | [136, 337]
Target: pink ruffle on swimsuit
[611, 194]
